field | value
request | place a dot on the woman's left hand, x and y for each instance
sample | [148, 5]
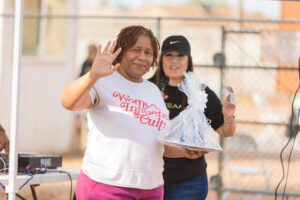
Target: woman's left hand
[228, 106]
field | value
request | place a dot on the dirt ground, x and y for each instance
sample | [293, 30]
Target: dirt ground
[61, 190]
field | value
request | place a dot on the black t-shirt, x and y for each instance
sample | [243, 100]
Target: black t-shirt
[181, 169]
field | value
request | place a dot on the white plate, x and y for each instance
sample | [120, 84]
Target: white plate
[190, 147]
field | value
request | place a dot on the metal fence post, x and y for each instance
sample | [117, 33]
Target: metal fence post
[221, 154]
[158, 28]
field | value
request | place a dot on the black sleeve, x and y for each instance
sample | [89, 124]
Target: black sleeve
[213, 109]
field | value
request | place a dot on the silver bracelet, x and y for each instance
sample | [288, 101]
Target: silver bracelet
[232, 119]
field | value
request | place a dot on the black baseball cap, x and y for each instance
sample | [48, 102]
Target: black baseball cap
[176, 43]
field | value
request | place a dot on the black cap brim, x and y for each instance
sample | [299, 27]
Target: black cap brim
[180, 51]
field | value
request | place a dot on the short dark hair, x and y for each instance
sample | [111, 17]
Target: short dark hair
[2, 129]
[92, 49]
[128, 37]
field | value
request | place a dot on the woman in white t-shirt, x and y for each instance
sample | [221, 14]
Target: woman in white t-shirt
[125, 114]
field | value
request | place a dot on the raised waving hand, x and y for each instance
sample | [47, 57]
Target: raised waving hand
[75, 96]
[102, 65]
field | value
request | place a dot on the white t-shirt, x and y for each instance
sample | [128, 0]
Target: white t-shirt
[124, 122]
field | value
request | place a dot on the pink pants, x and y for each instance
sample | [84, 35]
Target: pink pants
[87, 189]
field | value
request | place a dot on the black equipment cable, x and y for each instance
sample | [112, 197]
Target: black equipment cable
[292, 137]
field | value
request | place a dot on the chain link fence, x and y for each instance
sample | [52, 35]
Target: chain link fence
[258, 58]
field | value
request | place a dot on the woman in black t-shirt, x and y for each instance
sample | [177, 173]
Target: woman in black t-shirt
[185, 171]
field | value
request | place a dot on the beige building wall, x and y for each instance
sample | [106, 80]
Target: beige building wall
[44, 126]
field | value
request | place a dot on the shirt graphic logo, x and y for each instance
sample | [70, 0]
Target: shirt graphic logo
[147, 113]
[174, 42]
